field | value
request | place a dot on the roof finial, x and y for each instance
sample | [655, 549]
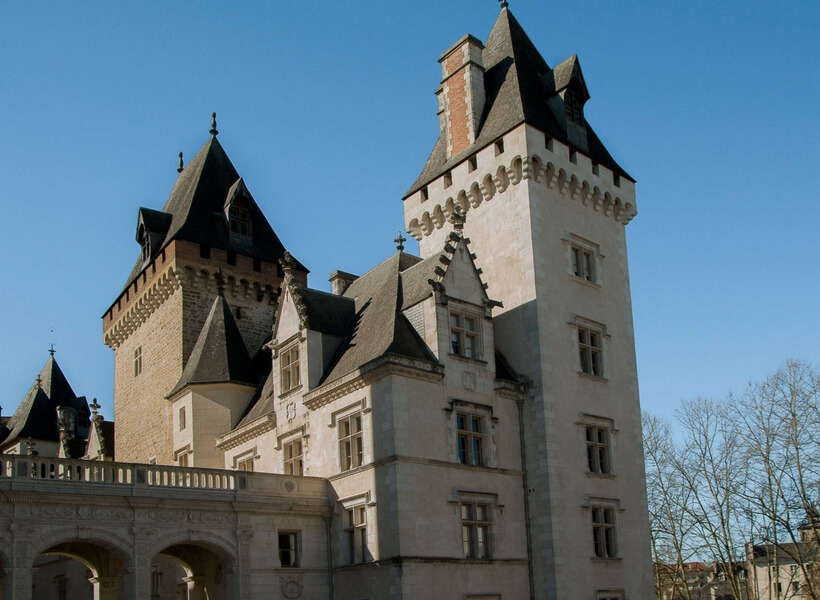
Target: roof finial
[504, 3]
[180, 167]
[214, 130]
[220, 282]
[400, 241]
[51, 345]
[95, 408]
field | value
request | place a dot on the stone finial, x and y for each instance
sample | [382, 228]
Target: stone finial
[400, 241]
[504, 3]
[214, 131]
[95, 408]
[180, 167]
[51, 345]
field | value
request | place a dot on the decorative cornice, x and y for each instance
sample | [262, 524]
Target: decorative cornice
[528, 168]
[387, 364]
[247, 432]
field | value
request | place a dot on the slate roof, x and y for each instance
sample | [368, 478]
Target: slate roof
[517, 82]
[36, 416]
[219, 355]
[327, 313]
[785, 552]
[195, 211]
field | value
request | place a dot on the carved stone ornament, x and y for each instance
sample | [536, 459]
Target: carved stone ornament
[291, 588]
[468, 380]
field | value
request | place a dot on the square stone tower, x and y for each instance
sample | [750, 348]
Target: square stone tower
[210, 233]
[546, 208]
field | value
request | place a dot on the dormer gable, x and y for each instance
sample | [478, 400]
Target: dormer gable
[239, 208]
[571, 94]
[152, 227]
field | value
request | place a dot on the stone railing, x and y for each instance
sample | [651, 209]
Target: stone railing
[45, 474]
[129, 474]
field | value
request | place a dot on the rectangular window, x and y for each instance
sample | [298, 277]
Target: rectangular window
[573, 157]
[257, 265]
[583, 262]
[351, 449]
[616, 179]
[182, 459]
[598, 449]
[183, 422]
[293, 457]
[603, 532]
[356, 534]
[138, 361]
[448, 179]
[204, 251]
[288, 555]
[425, 194]
[245, 464]
[232, 258]
[589, 346]
[475, 529]
[499, 147]
[289, 362]
[156, 582]
[472, 163]
[470, 439]
[548, 143]
[62, 587]
[464, 335]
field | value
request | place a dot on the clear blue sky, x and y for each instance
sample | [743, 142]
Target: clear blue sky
[327, 110]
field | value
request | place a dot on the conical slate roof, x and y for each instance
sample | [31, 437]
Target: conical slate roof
[518, 84]
[36, 416]
[195, 211]
[219, 355]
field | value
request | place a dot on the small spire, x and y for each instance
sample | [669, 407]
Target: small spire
[180, 167]
[51, 345]
[400, 241]
[95, 408]
[504, 3]
[214, 130]
[220, 282]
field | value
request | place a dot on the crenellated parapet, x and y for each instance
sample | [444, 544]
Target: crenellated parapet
[484, 187]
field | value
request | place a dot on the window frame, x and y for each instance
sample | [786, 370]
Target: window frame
[238, 215]
[182, 418]
[585, 260]
[348, 440]
[464, 342]
[138, 361]
[355, 533]
[292, 548]
[289, 461]
[476, 525]
[590, 350]
[604, 529]
[599, 453]
[286, 369]
[471, 441]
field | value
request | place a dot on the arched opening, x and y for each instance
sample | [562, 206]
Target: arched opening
[190, 571]
[79, 570]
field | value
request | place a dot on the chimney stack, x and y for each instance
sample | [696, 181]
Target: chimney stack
[461, 94]
[339, 280]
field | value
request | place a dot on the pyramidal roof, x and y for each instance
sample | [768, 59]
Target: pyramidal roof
[195, 211]
[36, 416]
[518, 84]
[219, 355]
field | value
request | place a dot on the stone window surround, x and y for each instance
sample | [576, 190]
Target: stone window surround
[249, 454]
[185, 450]
[496, 508]
[477, 313]
[349, 503]
[297, 339]
[599, 502]
[586, 420]
[300, 433]
[572, 241]
[485, 411]
[294, 548]
[578, 322]
[361, 407]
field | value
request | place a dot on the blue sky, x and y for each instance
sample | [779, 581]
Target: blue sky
[327, 110]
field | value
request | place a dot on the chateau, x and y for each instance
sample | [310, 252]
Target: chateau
[463, 424]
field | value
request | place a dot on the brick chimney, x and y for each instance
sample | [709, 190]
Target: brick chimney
[461, 94]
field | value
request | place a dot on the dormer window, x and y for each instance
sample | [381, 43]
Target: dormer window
[574, 103]
[240, 219]
[143, 240]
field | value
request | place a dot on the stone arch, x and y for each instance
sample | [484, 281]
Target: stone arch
[517, 168]
[438, 217]
[475, 195]
[502, 179]
[449, 208]
[103, 553]
[414, 229]
[535, 167]
[208, 562]
[549, 171]
[489, 187]
[426, 223]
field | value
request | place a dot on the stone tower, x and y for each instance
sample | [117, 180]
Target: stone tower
[209, 234]
[546, 208]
